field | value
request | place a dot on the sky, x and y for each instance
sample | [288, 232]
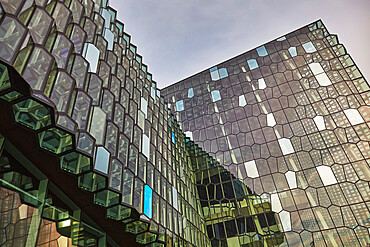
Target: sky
[178, 39]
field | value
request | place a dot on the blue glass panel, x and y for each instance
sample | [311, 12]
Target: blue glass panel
[190, 93]
[292, 51]
[216, 95]
[180, 105]
[223, 73]
[309, 47]
[102, 160]
[213, 69]
[173, 137]
[262, 51]
[148, 201]
[252, 63]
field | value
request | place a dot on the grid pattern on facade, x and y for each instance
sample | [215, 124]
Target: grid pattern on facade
[290, 119]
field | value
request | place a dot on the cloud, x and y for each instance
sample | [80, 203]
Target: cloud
[180, 38]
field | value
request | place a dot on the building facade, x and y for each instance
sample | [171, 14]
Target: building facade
[291, 120]
[91, 155]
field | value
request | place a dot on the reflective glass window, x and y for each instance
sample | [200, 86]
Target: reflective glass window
[109, 36]
[309, 47]
[190, 93]
[146, 145]
[252, 63]
[180, 105]
[293, 51]
[148, 201]
[102, 160]
[216, 96]
[223, 73]
[262, 51]
[92, 56]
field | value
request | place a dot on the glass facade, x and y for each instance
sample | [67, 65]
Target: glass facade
[270, 148]
[81, 116]
[290, 121]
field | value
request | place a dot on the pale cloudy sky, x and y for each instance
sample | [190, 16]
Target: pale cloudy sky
[180, 38]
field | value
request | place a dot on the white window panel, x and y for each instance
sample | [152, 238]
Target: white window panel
[189, 134]
[291, 178]
[242, 101]
[285, 221]
[152, 93]
[251, 169]
[145, 145]
[214, 75]
[293, 51]
[92, 56]
[144, 106]
[286, 146]
[319, 121]
[174, 197]
[107, 18]
[326, 175]
[270, 120]
[316, 68]
[109, 36]
[261, 83]
[275, 203]
[101, 162]
[354, 116]
[281, 38]
[309, 47]
[323, 79]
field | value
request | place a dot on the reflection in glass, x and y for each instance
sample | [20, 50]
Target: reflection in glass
[252, 63]
[309, 47]
[101, 162]
[92, 56]
[262, 51]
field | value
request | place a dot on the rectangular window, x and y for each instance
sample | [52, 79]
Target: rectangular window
[148, 201]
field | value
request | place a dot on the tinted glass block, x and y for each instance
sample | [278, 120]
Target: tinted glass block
[75, 163]
[61, 15]
[148, 201]
[62, 91]
[115, 175]
[11, 36]
[4, 78]
[97, 127]
[55, 140]
[81, 109]
[39, 25]
[32, 114]
[37, 68]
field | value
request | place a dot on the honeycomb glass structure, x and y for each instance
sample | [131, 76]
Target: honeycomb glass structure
[270, 148]
[291, 121]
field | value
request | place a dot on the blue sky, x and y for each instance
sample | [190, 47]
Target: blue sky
[180, 38]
